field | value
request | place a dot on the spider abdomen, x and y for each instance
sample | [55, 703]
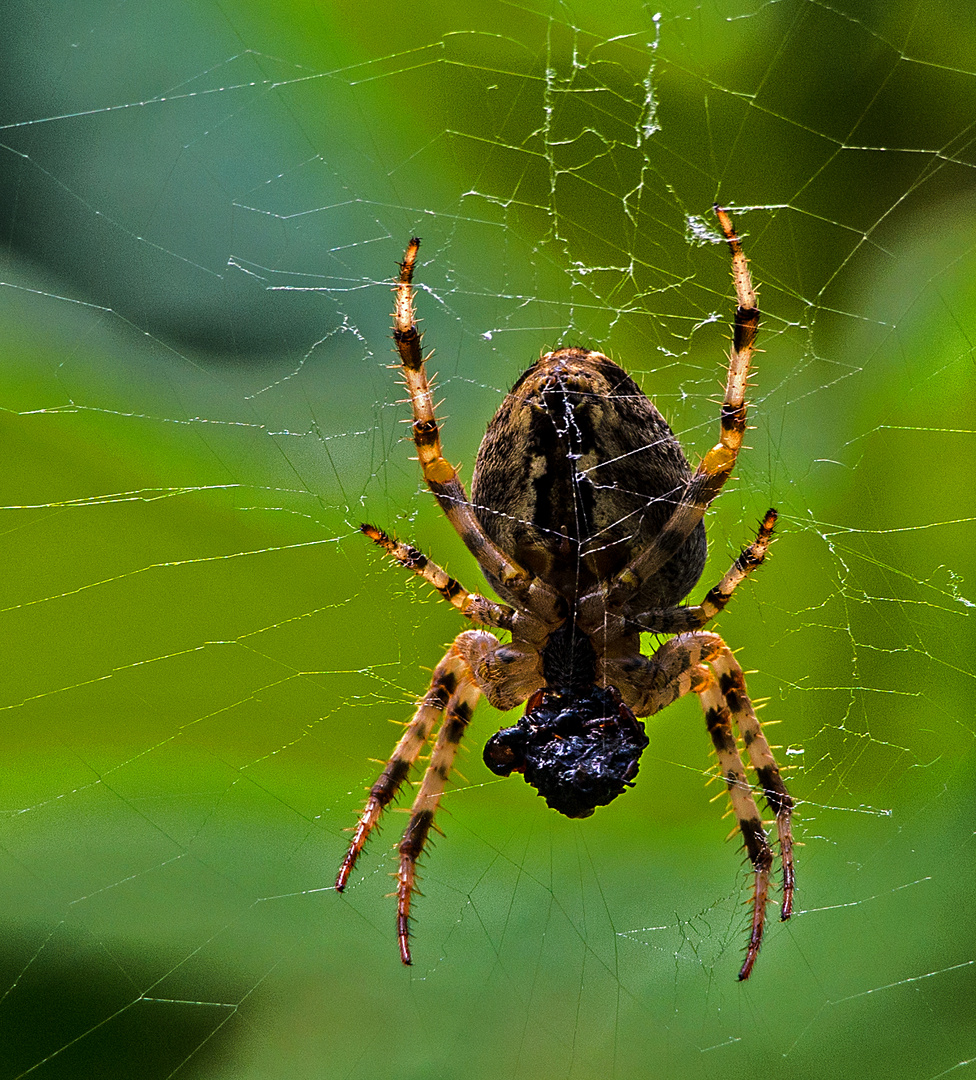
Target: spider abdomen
[577, 471]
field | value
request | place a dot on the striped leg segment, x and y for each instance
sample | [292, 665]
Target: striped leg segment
[453, 695]
[725, 700]
[407, 337]
[679, 620]
[703, 664]
[447, 676]
[724, 453]
[718, 718]
[732, 685]
[441, 476]
[473, 606]
[718, 463]
[460, 708]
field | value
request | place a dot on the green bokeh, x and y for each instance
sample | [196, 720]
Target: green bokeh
[202, 656]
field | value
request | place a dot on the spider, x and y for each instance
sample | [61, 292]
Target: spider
[586, 519]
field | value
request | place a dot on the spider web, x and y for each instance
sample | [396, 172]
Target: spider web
[203, 206]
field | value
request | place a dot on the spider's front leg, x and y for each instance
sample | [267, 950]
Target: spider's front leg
[460, 708]
[724, 698]
[476, 663]
[453, 694]
[703, 664]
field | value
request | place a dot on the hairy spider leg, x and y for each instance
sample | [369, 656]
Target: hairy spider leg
[678, 620]
[716, 466]
[732, 684]
[444, 683]
[515, 582]
[718, 719]
[453, 695]
[460, 708]
[458, 682]
[529, 631]
[702, 663]
[473, 606]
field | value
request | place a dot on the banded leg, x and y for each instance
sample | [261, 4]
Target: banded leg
[476, 663]
[479, 609]
[441, 476]
[447, 676]
[717, 465]
[732, 684]
[679, 620]
[460, 708]
[718, 718]
[702, 663]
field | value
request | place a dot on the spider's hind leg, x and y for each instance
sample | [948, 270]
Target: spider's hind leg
[511, 580]
[717, 465]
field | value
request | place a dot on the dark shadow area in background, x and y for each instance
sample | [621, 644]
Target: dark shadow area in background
[73, 1010]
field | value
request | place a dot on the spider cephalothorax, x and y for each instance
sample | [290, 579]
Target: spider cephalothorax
[586, 519]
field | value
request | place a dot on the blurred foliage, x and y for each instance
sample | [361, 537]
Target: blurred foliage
[202, 206]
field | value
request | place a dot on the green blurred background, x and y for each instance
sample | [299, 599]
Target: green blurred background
[202, 206]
